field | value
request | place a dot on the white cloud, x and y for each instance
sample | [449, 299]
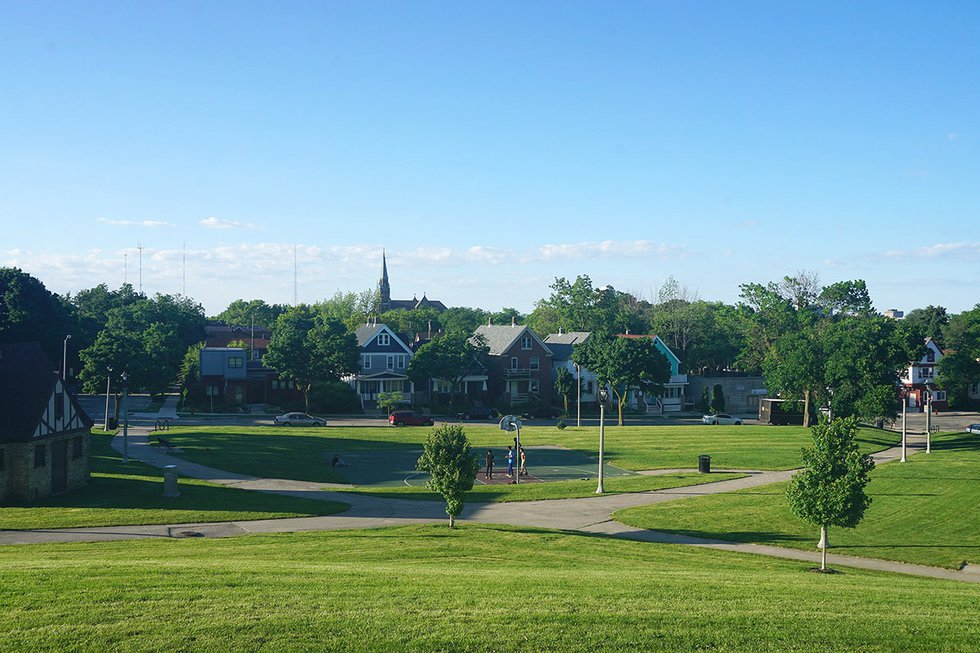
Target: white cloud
[152, 224]
[958, 250]
[612, 249]
[216, 223]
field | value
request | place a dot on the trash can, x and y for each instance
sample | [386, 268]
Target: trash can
[704, 464]
[113, 423]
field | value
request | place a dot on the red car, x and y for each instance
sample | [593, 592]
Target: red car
[409, 418]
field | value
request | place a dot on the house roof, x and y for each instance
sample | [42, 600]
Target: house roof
[27, 380]
[562, 344]
[500, 338]
[366, 333]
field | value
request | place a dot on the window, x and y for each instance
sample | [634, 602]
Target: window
[384, 339]
[255, 354]
[513, 363]
[930, 356]
[526, 343]
[535, 363]
[939, 395]
[235, 362]
[390, 362]
[925, 372]
[401, 362]
[533, 386]
[59, 406]
[39, 455]
[76, 447]
[367, 362]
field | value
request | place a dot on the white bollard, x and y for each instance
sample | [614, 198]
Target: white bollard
[170, 482]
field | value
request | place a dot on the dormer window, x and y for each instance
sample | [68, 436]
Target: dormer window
[930, 356]
[526, 343]
[384, 339]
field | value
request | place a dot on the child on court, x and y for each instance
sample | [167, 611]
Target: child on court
[510, 462]
[489, 473]
[522, 470]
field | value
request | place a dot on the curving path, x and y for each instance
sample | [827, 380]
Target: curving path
[587, 515]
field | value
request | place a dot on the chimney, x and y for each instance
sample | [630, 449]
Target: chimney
[513, 320]
[489, 321]
[559, 331]
[627, 331]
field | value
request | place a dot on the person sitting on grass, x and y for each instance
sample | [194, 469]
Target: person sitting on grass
[338, 462]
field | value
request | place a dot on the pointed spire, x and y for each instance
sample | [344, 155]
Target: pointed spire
[384, 288]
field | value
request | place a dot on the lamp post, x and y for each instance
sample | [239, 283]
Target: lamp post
[108, 378]
[929, 387]
[64, 359]
[578, 398]
[603, 397]
[125, 409]
[905, 401]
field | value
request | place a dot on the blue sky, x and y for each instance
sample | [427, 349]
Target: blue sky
[491, 147]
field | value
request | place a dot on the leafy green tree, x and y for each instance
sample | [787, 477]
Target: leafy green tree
[450, 357]
[564, 385]
[624, 364]
[242, 312]
[794, 367]
[421, 320]
[92, 306]
[580, 306]
[960, 367]
[847, 297]
[28, 311]
[928, 322]
[829, 490]
[353, 309]
[308, 347]
[717, 399]
[451, 465]
[388, 401]
[462, 319]
[190, 366]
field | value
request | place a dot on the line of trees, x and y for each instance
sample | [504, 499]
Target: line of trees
[824, 345]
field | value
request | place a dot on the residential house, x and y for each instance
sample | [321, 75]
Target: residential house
[384, 364]
[918, 380]
[224, 374]
[672, 398]
[519, 369]
[44, 433]
[256, 338]
[561, 346]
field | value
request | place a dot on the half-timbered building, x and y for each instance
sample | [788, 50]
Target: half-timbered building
[44, 433]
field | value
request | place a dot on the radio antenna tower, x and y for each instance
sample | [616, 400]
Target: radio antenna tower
[139, 248]
[295, 281]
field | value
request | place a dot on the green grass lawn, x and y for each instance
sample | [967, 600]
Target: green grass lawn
[304, 454]
[923, 511]
[474, 588]
[119, 494]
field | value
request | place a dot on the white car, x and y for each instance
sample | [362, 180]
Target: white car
[973, 428]
[721, 418]
[298, 419]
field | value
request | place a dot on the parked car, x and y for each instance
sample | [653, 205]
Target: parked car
[721, 418]
[542, 412]
[479, 413]
[973, 428]
[409, 418]
[298, 419]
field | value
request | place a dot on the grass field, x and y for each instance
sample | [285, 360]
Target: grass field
[469, 589]
[923, 511]
[120, 494]
[304, 454]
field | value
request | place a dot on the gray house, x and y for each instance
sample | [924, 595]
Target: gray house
[384, 364]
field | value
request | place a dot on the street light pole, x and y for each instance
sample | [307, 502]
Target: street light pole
[64, 359]
[578, 399]
[603, 395]
[928, 418]
[125, 408]
[108, 378]
[905, 401]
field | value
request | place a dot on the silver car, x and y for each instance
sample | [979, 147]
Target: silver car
[721, 418]
[298, 419]
[973, 428]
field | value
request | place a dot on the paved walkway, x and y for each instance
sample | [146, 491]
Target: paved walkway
[587, 515]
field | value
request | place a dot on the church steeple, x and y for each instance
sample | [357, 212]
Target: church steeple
[384, 288]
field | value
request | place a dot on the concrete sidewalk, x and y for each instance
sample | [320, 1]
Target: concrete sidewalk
[584, 515]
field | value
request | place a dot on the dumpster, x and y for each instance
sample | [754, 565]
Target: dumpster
[704, 464]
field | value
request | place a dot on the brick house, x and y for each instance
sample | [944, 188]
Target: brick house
[44, 433]
[919, 379]
[519, 368]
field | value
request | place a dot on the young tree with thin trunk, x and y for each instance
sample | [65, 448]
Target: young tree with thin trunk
[564, 385]
[829, 490]
[452, 467]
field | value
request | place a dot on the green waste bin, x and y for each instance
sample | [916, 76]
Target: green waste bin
[704, 464]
